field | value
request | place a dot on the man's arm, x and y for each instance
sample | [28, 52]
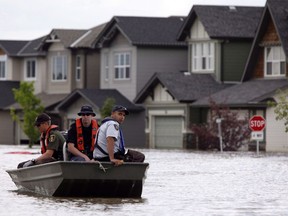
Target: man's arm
[46, 157]
[76, 152]
[110, 149]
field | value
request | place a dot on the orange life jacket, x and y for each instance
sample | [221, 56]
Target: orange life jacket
[80, 140]
[44, 140]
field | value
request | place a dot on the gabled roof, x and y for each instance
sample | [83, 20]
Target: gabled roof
[143, 31]
[277, 10]
[279, 14]
[12, 47]
[246, 94]
[184, 88]
[16, 48]
[66, 36]
[31, 48]
[7, 97]
[224, 22]
[97, 97]
[88, 39]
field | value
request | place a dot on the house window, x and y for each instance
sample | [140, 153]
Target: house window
[106, 66]
[59, 68]
[30, 73]
[122, 65]
[78, 67]
[3, 67]
[275, 64]
[203, 57]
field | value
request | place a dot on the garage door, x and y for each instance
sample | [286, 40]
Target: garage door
[168, 132]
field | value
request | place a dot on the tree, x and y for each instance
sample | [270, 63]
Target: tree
[235, 131]
[281, 107]
[31, 107]
[107, 107]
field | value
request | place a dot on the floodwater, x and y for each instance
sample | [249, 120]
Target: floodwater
[177, 183]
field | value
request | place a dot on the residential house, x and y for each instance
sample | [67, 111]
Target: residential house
[219, 39]
[265, 73]
[134, 48]
[57, 63]
[167, 98]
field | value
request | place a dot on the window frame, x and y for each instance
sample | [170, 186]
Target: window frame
[122, 70]
[64, 67]
[27, 62]
[106, 66]
[3, 64]
[78, 68]
[203, 57]
[273, 61]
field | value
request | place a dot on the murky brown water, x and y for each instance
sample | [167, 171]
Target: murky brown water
[178, 183]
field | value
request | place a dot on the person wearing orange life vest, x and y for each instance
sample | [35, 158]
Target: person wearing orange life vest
[51, 142]
[82, 134]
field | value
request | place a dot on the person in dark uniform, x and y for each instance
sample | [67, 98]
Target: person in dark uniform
[81, 135]
[110, 141]
[51, 141]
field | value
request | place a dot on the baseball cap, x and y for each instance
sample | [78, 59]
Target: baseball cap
[119, 108]
[41, 118]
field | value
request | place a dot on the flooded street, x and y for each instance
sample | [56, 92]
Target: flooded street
[177, 183]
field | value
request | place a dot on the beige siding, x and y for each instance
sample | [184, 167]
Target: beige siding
[276, 137]
[41, 75]
[198, 31]
[160, 96]
[13, 69]
[7, 134]
[58, 87]
[126, 87]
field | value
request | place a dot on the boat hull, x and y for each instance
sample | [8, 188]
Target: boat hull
[82, 179]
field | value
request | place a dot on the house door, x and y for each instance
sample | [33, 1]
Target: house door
[168, 132]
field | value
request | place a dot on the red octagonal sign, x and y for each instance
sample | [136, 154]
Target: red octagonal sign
[257, 123]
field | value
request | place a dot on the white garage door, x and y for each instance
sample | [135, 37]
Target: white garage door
[168, 132]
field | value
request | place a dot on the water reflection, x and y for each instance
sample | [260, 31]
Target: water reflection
[178, 183]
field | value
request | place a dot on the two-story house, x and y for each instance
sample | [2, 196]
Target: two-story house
[265, 73]
[57, 63]
[134, 48]
[219, 39]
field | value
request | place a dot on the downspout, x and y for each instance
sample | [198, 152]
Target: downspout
[85, 70]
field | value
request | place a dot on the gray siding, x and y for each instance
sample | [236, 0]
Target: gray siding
[134, 130]
[151, 60]
[235, 55]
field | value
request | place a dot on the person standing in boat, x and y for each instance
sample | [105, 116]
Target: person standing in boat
[81, 135]
[109, 144]
[51, 142]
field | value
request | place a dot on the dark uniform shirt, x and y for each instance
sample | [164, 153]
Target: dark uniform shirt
[87, 137]
[55, 142]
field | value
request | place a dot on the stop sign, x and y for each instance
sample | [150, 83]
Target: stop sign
[257, 123]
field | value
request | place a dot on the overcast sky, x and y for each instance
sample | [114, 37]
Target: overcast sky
[30, 19]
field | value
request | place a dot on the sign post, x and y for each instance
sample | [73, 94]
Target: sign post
[218, 121]
[257, 124]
